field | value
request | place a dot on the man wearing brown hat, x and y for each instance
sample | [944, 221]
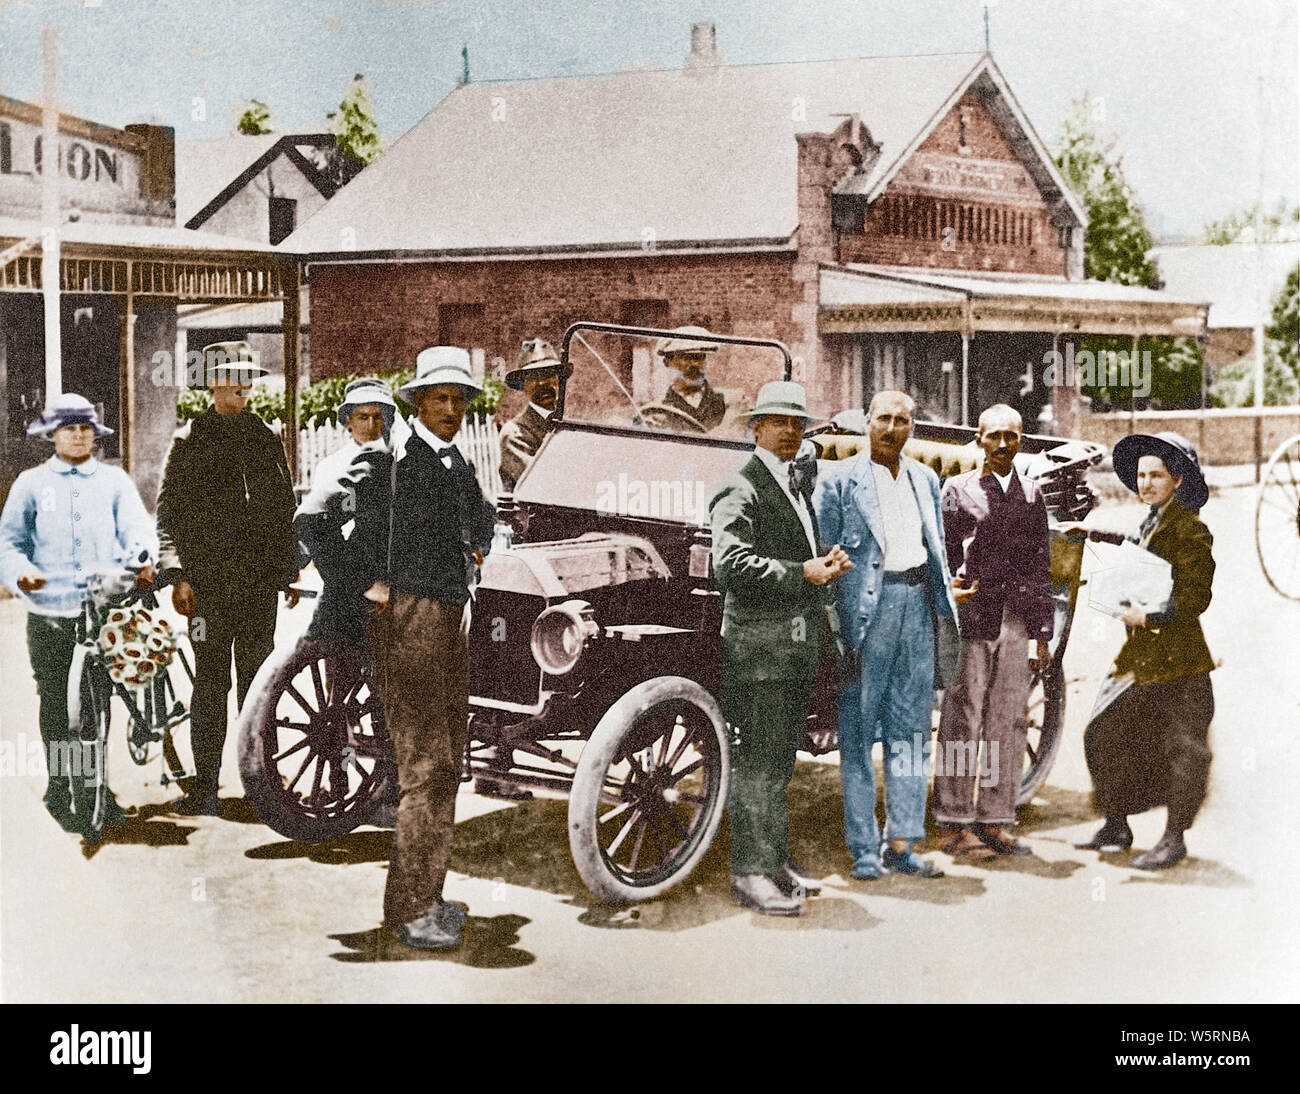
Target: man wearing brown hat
[537, 375]
[225, 524]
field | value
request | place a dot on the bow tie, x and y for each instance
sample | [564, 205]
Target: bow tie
[447, 454]
[803, 474]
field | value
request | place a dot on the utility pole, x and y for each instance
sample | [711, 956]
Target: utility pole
[50, 218]
[464, 64]
[986, 28]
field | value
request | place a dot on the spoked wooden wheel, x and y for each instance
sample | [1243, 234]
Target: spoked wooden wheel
[313, 755]
[650, 789]
[1277, 520]
[1045, 719]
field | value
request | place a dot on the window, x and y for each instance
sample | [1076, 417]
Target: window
[283, 218]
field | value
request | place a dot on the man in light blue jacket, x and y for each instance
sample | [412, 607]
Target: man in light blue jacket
[63, 520]
[883, 508]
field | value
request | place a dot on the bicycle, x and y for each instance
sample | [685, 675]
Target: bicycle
[113, 635]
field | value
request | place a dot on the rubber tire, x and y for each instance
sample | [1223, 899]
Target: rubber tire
[599, 754]
[82, 684]
[258, 712]
[1050, 737]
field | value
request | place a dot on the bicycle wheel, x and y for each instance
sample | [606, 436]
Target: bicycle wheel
[164, 717]
[84, 759]
[1277, 520]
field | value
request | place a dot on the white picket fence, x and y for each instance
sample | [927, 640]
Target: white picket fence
[479, 442]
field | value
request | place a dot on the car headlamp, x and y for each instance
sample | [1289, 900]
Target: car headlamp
[561, 633]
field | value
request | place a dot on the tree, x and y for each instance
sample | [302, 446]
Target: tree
[1235, 384]
[1116, 248]
[354, 127]
[255, 119]
[1117, 240]
[1255, 224]
[1285, 328]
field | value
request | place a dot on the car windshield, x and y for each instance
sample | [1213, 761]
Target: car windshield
[686, 384]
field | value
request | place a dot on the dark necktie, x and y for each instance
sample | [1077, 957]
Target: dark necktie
[1149, 523]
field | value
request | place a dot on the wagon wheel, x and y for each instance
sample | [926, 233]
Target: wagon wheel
[650, 789]
[313, 755]
[1277, 520]
[1045, 719]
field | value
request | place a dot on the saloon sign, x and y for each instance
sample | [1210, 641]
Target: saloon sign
[99, 169]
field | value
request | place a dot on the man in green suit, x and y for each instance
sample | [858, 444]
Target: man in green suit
[766, 562]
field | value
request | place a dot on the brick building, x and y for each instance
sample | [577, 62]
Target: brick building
[895, 220]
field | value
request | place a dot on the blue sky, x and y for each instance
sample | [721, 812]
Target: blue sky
[1201, 95]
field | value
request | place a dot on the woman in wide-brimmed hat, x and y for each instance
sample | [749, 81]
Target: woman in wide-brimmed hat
[1147, 739]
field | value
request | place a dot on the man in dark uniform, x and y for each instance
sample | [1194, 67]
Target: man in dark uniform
[225, 524]
[765, 558]
[420, 543]
[537, 375]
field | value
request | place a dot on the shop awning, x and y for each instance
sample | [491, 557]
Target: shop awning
[869, 299]
[144, 260]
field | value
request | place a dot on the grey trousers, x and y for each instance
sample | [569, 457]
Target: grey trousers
[986, 702]
[420, 655]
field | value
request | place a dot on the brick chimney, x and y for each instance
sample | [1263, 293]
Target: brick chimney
[704, 48]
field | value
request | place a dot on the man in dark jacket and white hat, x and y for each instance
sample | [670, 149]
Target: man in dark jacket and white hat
[422, 525]
[537, 374]
[225, 524]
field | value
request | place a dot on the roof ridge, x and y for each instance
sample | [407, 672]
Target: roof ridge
[679, 69]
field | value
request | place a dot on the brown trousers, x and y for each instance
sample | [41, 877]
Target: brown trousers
[420, 655]
[985, 702]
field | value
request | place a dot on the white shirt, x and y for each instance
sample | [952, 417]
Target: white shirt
[542, 410]
[1004, 481]
[780, 470]
[904, 547]
[440, 447]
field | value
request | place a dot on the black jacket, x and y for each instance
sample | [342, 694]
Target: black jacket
[225, 508]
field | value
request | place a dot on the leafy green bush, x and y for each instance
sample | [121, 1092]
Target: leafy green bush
[318, 403]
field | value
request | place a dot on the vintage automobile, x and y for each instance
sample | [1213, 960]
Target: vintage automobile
[594, 645]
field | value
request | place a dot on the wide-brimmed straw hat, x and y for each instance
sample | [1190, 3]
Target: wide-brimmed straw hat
[537, 358]
[67, 409]
[1176, 452]
[781, 397]
[368, 391]
[438, 366]
[686, 340]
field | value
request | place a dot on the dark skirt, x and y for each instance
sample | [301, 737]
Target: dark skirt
[1147, 745]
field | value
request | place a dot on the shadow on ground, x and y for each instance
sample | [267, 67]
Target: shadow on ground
[489, 943]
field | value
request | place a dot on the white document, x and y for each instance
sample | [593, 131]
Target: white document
[1137, 577]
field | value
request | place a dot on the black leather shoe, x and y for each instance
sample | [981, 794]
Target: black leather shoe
[794, 882]
[1168, 852]
[196, 805]
[761, 893]
[1114, 835]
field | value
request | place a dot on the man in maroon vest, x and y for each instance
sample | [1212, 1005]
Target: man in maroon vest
[995, 531]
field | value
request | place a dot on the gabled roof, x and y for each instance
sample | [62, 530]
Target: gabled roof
[1240, 279]
[636, 161]
[210, 172]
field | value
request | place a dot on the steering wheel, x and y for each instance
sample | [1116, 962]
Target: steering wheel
[660, 416]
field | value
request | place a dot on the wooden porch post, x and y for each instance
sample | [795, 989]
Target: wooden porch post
[289, 281]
